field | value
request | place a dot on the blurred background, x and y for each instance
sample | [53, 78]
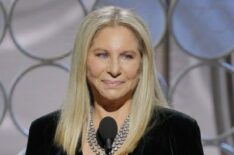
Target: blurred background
[193, 42]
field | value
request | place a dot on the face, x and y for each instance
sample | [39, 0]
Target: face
[113, 64]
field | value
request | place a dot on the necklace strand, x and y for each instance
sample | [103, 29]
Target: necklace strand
[118, 141]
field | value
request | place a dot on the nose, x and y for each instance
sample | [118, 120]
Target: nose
[114, 68]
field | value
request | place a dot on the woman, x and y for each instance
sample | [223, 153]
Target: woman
[112, 75]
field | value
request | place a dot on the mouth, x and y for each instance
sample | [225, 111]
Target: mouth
[111, 83]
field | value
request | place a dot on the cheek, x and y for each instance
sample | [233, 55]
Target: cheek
[133, 71]
[94, 68]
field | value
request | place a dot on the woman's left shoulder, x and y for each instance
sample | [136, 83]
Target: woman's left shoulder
[175, 131]
[173, 118]
[181, 129]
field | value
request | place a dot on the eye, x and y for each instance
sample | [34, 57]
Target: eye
[101, 54]
[127, 56]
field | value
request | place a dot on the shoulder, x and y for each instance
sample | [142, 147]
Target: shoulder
[163, 114]
[173, 131]
[51, 118]
[41, 134]
[173, 120]
[45, 125]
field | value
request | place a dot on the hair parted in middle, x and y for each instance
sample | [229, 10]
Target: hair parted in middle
[72, 126]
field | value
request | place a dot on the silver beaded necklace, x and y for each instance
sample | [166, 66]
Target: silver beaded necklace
[118, 141]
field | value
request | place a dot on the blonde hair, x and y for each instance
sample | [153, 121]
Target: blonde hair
[72, 124]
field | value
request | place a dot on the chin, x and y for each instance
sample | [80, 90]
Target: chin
[112, 97]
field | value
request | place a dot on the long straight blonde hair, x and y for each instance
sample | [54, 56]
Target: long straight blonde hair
[72, 125]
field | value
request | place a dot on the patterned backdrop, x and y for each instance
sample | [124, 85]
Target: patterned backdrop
[195, 36]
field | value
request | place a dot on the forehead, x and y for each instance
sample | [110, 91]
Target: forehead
[115, 35]
[114, 28]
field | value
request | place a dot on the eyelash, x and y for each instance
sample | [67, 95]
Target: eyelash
[128, 56]
[105, 55]
[102, 55]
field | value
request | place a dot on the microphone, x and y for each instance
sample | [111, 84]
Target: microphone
[106, 133]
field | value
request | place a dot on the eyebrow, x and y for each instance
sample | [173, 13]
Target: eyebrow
[125, 51]
[99, 49]
[130, 51]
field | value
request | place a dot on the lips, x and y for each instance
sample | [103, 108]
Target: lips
[111, 83]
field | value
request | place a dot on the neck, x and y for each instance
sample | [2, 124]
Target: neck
[119, 113]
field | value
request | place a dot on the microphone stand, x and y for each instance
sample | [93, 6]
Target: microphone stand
[108, 146]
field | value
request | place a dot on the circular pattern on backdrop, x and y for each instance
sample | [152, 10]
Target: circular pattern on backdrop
[3, 102]
[227, 67]
[163, 84]
[151, 11]
[204, 29]
[44, 85]
[45, 29]
[3, 21]
[218, 140]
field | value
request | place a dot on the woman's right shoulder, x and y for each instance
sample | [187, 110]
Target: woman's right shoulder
[48, 121]
[41, 134]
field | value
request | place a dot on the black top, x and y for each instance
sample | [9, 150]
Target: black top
[169, 133]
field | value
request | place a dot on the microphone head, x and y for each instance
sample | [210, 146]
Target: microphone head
[107, 130]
